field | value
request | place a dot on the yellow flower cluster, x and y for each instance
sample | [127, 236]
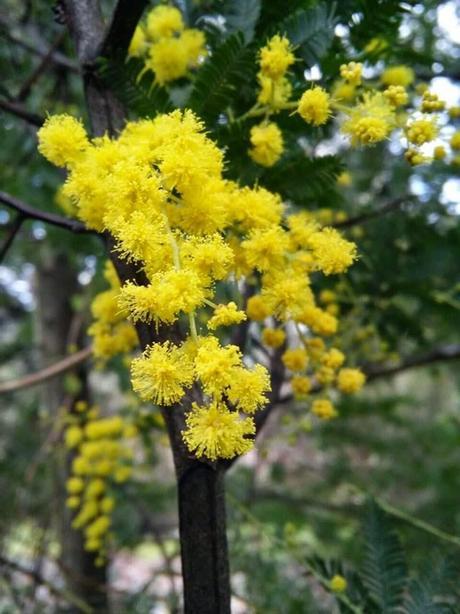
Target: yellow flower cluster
[168, 48]
[370, 121]
[111, 333]
[102, 456]
[158, 189]
[314, 106]
[267, 144]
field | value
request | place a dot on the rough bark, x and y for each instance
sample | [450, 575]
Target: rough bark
[55, 285]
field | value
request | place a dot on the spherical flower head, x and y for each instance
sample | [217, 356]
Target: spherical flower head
[323, 409]
[396, 95]
[265, 248]
[74, 485]
[370, 121]
[274, 93]
[138, 44]
[164, 22]
[320, 322]
[73, 436]
[194, 43]
[398, 75]
[214, 365]
[325, 375]
[257, 308]
[331, 252]
[273, 337]
[225, 315]
[350, 380]
[215, 432]
[168, 60]
[334, 358]
[431, 103]
[276, 57]
[104, 428]
[248, 387]
[421, 131]
[301, 386]
[352, 72]
[315, 106]
[98, 527]
[254, 208]
[267, 144]
[161, 374]
[338, 584]
[62, 140]
[94, 489]
[344, 179]
[72, 502]
[295, 360]
[209, 256]
[455, 141]
[415, 157]
[343, 91]
[439, 152]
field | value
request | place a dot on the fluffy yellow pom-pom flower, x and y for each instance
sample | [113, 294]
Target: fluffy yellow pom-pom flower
[314, 106]
[323, 409]
[350, 380]
[273, 337]
[62, 139]
[421, 131]
[161, 374]
[338, 584]
[215, 432]
[267, 144]
[296, 359]
[225, 315]
[398, 75]
[332, 253]
[352, 72]
[248, 387]
[164, 21]
[276, 57]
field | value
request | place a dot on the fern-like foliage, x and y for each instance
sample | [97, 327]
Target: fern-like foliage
[220, 78]
[241, 16]
[139, 95]
[384, 572]
[436, 590]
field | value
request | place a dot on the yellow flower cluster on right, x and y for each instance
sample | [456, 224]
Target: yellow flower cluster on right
[102, 455]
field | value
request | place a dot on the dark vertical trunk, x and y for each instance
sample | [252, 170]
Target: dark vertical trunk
[56, 283]
[203, 540]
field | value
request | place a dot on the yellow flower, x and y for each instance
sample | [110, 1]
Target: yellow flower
[301, 385]
[161, 374]
[273, 93]
[225, 315]
[62, 140]
[370, 121]
[267, 144]
[325, 375]
[257, 308]
[164, 21]
[74, 485]
[321, 322]
[323, 409]
[98, 527]
[431, 103]
[73, 436]
[455, 141]
[248, 387]
[215, 432]
[296, 359]
[398, 75]
[350, 380]
[331, 252]
[334, 358]
[72, 502]
[94, 489]
[104, 428]
[421, 131]
[193, 42]
[276, 57]
[454, 112]
[338, 584]
[214, 365]
[168, 60]
[415, 157]
[314, 106]
[344, 179]
[265, 248]
[439, 152]
[273, 337]
[138, 44]
[396, 95]
[343, 91]
[352, 72]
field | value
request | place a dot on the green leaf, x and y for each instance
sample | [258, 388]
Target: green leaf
[384, 571]
[433, 591]
[242, 16]
[141, 96]
[220, 78]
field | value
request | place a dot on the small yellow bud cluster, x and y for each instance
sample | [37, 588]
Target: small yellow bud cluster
[396, 95]
[168, 48]
[102, 456]
[431, 103]
[352, 73]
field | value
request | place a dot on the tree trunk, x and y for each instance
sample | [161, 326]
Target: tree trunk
[56, 283]
[203, 539]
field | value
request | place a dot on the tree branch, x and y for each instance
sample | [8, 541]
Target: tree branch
[42, 216]
[17, 109]
[365, 217]
[32, 379]
[120, 32]
[13, 231]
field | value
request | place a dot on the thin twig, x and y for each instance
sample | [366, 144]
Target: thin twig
[13, 231]
[393, 205]
[32, 379]
[43, 216]
[17, 109]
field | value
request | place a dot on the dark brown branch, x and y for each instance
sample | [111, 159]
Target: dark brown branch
[13, 231]
[124, 21]
[393, 205]
[37, 48]
[42, 216]
[17, 109]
